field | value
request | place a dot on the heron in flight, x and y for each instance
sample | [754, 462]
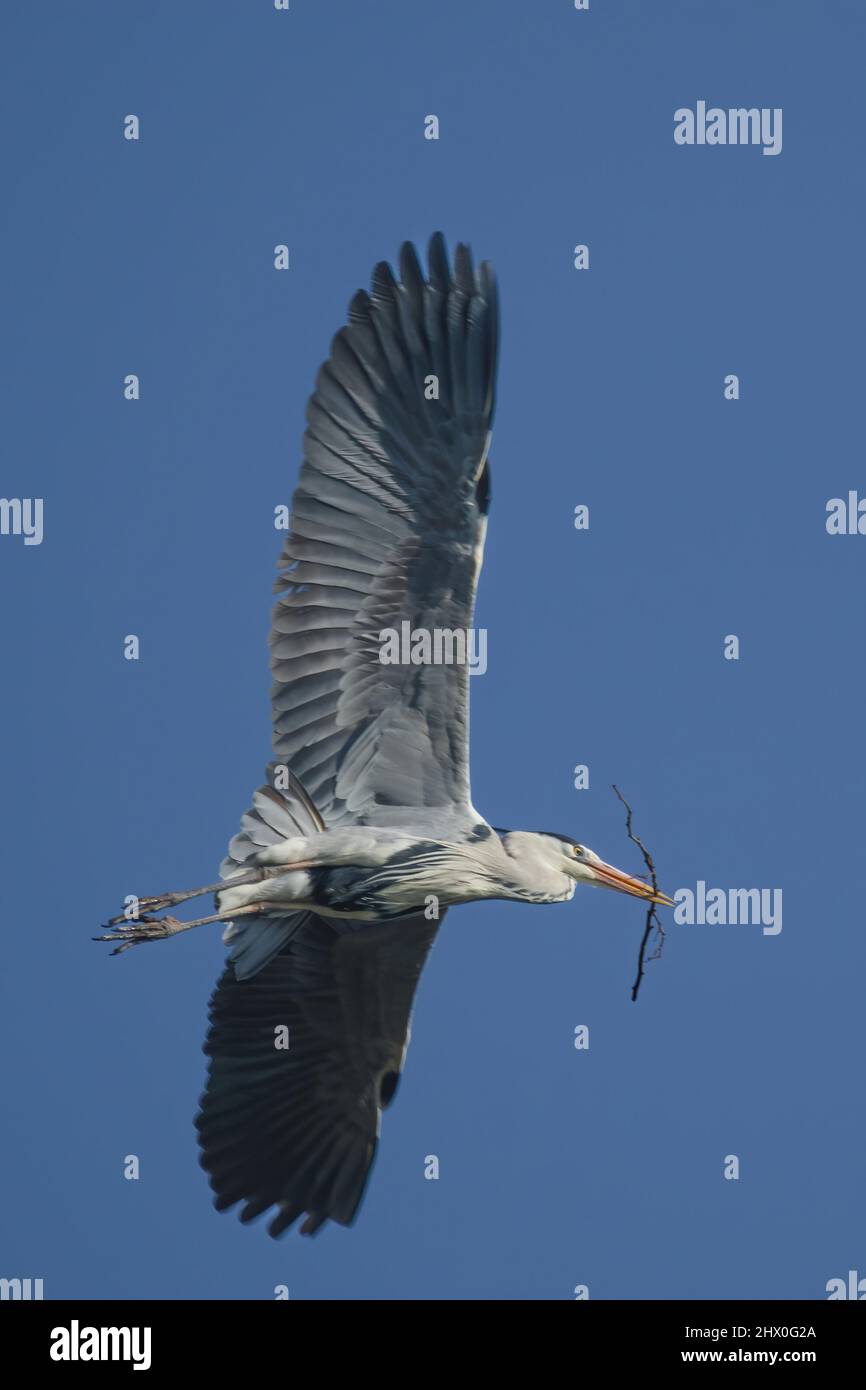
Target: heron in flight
[364, 833]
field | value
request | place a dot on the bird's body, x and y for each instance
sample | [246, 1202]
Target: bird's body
[364, 833]
[373, 875]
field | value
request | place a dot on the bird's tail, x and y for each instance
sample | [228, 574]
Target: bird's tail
[279, 812]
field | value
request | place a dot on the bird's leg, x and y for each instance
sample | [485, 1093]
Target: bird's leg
[145, 906]
[156, 904]
[159, 928]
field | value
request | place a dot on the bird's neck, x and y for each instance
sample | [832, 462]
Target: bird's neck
[530, 878]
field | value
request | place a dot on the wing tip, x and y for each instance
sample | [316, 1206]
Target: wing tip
[441, 274]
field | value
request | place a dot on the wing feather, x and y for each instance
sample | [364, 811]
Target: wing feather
[387, 527]
[297, 1127]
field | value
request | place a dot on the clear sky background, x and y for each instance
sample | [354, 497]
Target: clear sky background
[707, 517]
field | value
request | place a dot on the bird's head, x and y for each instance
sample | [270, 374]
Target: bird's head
[585, 866]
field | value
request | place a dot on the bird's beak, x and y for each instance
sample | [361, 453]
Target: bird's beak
[609, 877]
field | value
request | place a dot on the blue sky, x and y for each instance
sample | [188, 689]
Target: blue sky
[558, 1167]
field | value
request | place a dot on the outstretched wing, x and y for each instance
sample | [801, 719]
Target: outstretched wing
[388, 528]
[304, 1058]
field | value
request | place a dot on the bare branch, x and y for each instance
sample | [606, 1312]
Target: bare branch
[653, 921]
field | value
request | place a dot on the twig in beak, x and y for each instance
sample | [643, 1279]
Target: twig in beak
[653, 921]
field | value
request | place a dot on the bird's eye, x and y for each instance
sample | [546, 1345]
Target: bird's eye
[578, 849]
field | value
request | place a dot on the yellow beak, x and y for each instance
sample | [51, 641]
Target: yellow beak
[624, 883]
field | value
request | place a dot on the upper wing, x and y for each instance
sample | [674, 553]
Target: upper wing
[297, 1124]
[388, 527]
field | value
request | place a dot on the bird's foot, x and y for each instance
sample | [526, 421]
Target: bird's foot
[145, 928]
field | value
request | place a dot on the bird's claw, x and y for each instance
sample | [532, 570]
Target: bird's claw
[134, 933]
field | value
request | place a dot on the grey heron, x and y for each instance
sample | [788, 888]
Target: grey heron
[364, 833]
